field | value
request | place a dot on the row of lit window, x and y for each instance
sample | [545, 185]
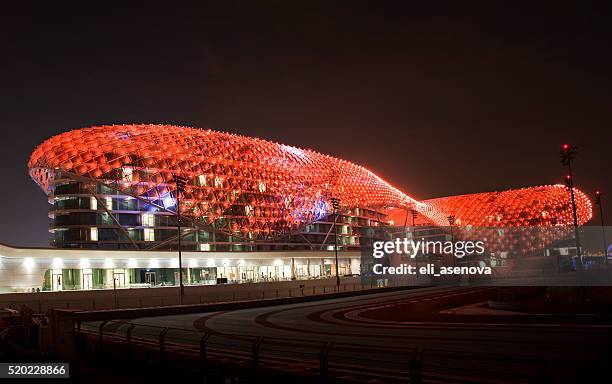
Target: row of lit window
[202, 179]
[149, 235]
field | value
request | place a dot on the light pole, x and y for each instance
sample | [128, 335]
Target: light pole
[415, 213]
[336, 205]
[416, 257]
[180, 182]
[603, 229]
[567, 155]
[451, 222]
[553, 222]
[114, 287]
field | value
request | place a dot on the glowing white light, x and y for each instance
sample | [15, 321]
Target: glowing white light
[193, 263]
[278, 262]
[225, 262]
[28, 264]
[132, 263]
[153, 263]
[241, 262]
[127, 174]
[109, 263]
[210, 263]
[168, 201]
[57, 263]
[148, 220]
[202, 179]
[84, 263]
[174, 263]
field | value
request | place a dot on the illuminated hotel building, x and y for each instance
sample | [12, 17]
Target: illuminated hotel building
[251, 209]
[109, 219]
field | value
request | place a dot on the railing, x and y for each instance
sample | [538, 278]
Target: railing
[102, 299]
[211, 352]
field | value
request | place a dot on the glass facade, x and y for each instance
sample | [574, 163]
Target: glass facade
[62, 279]
[106, 219]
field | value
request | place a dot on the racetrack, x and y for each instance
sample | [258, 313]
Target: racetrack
[510, 348]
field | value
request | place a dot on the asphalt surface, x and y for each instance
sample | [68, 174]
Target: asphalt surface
[476, 348]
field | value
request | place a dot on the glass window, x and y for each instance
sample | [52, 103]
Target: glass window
[93, 234]
[218, 182]
[148, 220]
[128, 219]
[127, 174]
[149, 234]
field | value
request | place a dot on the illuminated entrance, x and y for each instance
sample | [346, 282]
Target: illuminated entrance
[57, 280]
[150, 278]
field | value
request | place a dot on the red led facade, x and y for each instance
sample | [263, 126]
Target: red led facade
[257, 189]
[549, 205]
[244, 185]
[537, 216]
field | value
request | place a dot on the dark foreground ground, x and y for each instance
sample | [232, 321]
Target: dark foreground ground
[443, 335]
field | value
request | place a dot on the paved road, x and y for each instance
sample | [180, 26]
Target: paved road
[343, 321]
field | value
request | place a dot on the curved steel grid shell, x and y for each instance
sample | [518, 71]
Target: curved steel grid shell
[547, 205]
[247, 185]
[526, 210]
[258, 189]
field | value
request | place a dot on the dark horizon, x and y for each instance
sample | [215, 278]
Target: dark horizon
[438, 100]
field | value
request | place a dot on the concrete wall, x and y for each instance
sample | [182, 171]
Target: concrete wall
[41, 302]
[20, 274]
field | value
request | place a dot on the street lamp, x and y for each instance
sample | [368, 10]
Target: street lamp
[180, 182]
[336, 205]
[451, 221]
[603, 230]
[553, 222]
[114, 287]
[567, 155]
[415, 213]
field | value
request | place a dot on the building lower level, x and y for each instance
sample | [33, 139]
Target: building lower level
[48, 269]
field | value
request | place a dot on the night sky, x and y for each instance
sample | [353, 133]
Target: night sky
[438, 98]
